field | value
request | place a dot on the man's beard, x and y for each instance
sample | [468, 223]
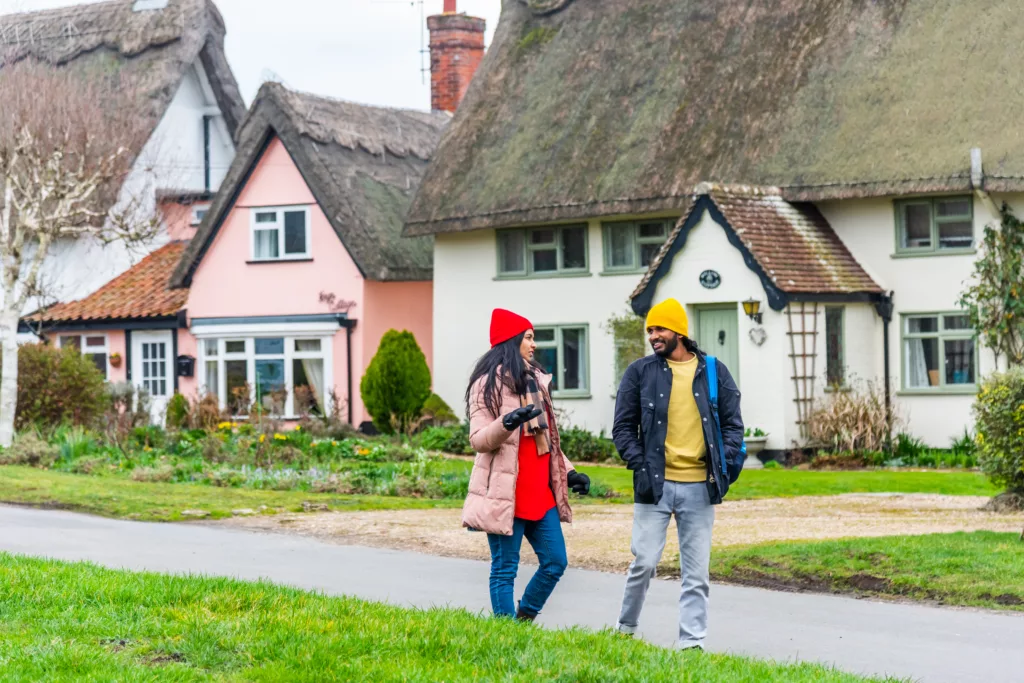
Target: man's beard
[670, 346]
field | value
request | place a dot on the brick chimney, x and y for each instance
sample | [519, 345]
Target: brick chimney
[456, 48]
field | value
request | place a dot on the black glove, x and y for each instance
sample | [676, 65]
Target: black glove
[517, 417]
[579, 482]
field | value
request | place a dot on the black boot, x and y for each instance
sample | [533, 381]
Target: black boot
[524, 616]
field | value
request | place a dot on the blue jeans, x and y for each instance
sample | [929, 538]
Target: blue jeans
[545, 535]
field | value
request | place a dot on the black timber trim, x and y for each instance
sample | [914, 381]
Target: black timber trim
[642, 302]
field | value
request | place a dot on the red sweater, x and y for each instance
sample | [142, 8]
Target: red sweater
[533, 485]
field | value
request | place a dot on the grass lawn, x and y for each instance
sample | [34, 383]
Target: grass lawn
[120, 497]
[981, 569]
[70, 622]
[787, 483]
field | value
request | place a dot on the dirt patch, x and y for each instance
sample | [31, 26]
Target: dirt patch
[599, 536]
[869, 583]
[165, 658]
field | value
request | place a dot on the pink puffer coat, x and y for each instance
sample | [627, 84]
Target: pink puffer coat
[490, 505]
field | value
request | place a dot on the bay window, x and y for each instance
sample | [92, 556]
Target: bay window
[281, 376]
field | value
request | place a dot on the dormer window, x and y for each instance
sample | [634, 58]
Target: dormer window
[280, 234]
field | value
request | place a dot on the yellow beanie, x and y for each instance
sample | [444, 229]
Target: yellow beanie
[671, 315]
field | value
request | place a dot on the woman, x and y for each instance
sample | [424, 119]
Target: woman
[520, 479]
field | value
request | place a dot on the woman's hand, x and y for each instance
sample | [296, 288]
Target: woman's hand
[579, 482]
[516, 418]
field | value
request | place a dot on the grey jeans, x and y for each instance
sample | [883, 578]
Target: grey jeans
[691, 505]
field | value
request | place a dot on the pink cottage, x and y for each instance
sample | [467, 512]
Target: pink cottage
[296, 271]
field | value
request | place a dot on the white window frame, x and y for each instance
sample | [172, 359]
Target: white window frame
[278, 225]
[89, 350]
[221, 337]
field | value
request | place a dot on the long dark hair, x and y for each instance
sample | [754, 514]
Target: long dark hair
[514, 371]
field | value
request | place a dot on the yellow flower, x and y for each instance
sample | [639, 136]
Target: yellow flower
[147, 449]
[298, 428]
[280, 437]
[364, 451]
[225, 425]
[263, 437]
[334, 443]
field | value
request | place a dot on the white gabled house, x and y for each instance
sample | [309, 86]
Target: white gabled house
[172, 51]
[819, 159]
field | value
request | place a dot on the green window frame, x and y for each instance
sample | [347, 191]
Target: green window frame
[547, 251]
[630, 246]
[936, 225]
[564, 351]
[835, 346]
[939, 352]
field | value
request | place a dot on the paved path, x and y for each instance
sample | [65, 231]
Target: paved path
[924, 643]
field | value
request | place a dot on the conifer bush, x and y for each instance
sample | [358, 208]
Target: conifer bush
[396, 384]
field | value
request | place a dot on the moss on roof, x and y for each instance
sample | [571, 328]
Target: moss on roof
[625, 107]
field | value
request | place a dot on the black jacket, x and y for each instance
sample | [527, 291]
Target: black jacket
[641, 425]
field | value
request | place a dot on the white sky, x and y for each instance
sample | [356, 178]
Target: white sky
[361, 50]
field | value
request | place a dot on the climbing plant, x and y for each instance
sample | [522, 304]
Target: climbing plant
[627, 331]
[994, 299]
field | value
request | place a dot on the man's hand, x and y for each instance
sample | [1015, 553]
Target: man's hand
[516, 418]
[579, 482]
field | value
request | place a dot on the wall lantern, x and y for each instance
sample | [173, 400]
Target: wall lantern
[752, 307]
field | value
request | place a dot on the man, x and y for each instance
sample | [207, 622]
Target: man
[665, 431]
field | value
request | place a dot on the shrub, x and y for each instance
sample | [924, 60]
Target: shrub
[30, 449]
[396, 384]
[910, 449]
[74, 443]
[772, 465]
[839, 461]
[453, 439]
[161, 473]
[851, 421]
[965, 446]
[57, 386]
[178, 410]
[127, 409]
[580, 445]
[999, 411]
[437, 412]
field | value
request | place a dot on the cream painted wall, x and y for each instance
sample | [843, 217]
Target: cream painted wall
[466, 291]
[921, 285]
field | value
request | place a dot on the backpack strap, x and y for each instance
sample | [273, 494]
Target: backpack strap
[711, 365]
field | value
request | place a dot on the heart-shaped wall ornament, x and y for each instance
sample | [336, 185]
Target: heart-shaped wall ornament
[758, 335]
[542, 7]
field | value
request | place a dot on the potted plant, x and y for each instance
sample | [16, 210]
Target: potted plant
[115, 360]
[755, 439]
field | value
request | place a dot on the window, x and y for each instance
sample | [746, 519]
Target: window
[284, 376]
[198, 214]
[939, 351]
[835, 373]
[934, 225]
[93, 346]
[632, 246]
[542, 251]
[562, 351]
[280, 234]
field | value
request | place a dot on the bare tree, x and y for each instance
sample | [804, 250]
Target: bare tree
[64, 154]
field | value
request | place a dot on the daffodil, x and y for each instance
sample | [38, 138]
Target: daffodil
[280, 437]
[263, 437]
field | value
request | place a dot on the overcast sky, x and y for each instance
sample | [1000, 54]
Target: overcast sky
[362, 50]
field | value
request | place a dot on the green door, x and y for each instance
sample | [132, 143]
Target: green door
[718, 335]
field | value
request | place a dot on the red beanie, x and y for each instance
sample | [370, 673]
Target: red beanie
[506, 325]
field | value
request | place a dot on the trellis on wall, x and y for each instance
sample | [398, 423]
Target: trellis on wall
[803, 345]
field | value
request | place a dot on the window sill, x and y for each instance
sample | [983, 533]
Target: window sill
[613, 273]
[942, 391]
[544, 276]
[935, 252]
[260, 262]
[571, 396]
[845, 388]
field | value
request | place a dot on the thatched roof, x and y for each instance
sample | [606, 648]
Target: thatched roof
[789, 246]
[151, 49]
[361, 163]
[607, 107]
